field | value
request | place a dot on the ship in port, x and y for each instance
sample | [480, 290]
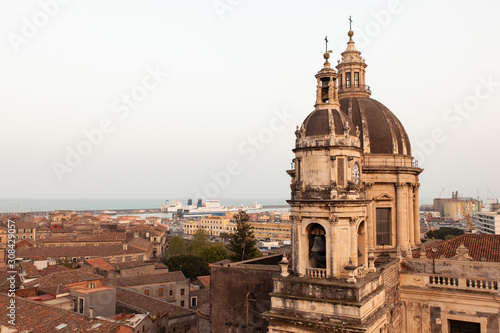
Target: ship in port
[207, 208]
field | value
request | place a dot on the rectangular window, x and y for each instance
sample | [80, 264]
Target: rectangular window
[457, 326]
[146, 292]
[348, 80]
[160, 292]
[340, 171]
[171, 292]
[194, 301]
[298, 170]
[384, 226]
[356, 79]
[182, 303]
[182, 292]
[81, 301]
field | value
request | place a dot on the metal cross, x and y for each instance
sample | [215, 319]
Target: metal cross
[326, 44]
[350, 23]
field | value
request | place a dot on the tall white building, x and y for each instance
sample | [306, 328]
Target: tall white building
[487, 222]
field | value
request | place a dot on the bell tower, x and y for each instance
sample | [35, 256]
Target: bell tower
[352, 72]
[328, 202]
[331, 280]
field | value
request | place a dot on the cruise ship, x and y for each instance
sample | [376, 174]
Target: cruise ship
[210, 207]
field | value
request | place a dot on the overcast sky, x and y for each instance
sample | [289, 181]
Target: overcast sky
[175, 99]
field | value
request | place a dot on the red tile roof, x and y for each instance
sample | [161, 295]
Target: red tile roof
[205, 280]
[77, 251]
[30, 269]
[32, 316]
[481, 247]
[53, 269]
[51, 283]
[100, 263]
[146, 279]
[149, 304]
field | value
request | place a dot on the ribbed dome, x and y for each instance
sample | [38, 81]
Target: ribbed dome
[317, 123]
[381, 131]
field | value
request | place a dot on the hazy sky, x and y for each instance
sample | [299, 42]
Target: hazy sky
[172, 99]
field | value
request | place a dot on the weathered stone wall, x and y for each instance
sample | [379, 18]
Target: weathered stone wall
[390, 276]
[228, 296]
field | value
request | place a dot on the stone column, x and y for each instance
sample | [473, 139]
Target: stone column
[371, 232]
[410, 216]
[416, 211]
[401, 228]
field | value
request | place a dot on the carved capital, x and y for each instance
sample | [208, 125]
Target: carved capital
[399, 186]
[333, 219]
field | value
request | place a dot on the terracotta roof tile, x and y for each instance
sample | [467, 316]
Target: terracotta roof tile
[149, 304]
[205, 280]
[100, 263]
[76, 251]
[47, 282]
[145, 279]
[30, 269]
[140, 243]
[32, 316]
[481, 247]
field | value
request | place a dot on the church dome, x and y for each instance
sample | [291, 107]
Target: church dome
[318, 123]
[381, 132]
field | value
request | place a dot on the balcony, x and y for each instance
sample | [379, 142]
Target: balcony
[318, 273]
[451, 282]
[354, 87]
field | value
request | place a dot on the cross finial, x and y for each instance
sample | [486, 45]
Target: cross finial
[326, 44]
[350, 23]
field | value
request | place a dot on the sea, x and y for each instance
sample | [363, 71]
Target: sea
[48, 205]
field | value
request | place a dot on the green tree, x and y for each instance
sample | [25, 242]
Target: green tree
[199, 241]
[190, 265]
[242, 242]
[177, 246]
[213, 253]
[444, 233]
[225, 236]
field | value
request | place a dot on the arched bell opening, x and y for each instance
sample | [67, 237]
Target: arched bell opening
[362, 245]
[317, 246]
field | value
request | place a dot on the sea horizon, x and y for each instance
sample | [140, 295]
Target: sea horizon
[48, 205]
[84, 204]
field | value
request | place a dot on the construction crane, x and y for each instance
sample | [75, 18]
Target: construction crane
[470, 227]
[441, 193]
[493, 196]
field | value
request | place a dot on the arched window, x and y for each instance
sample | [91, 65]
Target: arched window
[317, 246]
[252, 314]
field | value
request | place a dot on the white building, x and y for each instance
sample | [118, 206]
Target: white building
[487, 222]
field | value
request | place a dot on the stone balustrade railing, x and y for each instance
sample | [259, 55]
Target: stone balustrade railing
[318, 273]
[463, 283]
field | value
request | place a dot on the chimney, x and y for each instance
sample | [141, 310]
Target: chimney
[91, 312]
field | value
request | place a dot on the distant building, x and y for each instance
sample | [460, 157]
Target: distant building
[487, 222]
[455, 207]
[214, 225]
[273, 232]
[172, 287]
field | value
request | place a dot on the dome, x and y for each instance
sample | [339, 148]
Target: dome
[381, 131]
[318, 124]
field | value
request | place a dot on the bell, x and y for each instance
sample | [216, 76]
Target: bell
[318, 245]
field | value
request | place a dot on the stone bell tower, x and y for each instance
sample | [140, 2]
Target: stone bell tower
[328, 203]
[354, 195]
